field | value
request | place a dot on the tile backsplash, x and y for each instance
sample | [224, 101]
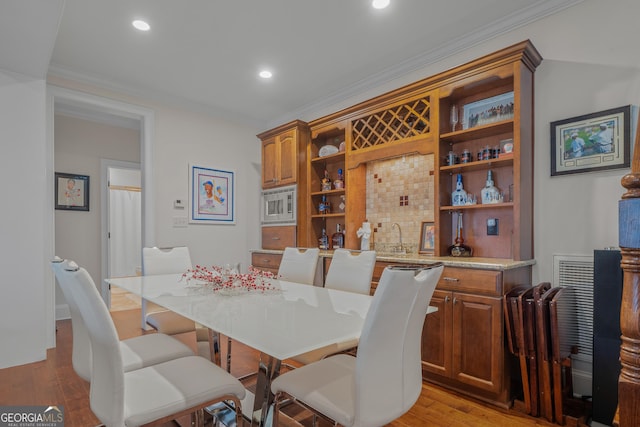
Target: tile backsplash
[400, 190]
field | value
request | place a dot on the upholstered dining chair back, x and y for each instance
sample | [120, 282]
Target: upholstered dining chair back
[165, 261]
[389, 353]
[299, 265]
[81, 351]
[351, 272]
[107, 375]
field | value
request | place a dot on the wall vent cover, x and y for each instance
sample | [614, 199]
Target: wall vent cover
[576, 273]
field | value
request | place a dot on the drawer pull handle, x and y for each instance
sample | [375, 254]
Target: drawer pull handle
[266, 261]
[275, 238]
[450, 279]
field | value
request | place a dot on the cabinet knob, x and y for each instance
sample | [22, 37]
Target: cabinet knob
[446, 299]
[455, 300]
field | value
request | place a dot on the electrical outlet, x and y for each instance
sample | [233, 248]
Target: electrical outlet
[492, 227]
[179, 221]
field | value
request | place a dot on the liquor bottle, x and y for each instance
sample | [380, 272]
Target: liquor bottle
[490, 194]
[337, 239]
[323, 241]
[459, 249]
[326, 181]
[325, 206]
[339, 182]
[459, 196]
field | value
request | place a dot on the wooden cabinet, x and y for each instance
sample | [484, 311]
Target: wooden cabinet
[494, 98]
[347, 204]
[282, 154]
[284, 163]
[278, 237]
[463, 342]
[267, 262]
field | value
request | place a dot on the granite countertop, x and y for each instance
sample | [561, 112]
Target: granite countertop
[499, 264]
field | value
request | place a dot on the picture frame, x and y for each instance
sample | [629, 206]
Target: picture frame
[487, 111]
[211, 195]
[427, 237]
[71, 192]
[591, 142]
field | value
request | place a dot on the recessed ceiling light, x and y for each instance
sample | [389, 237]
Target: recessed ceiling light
[265, 74]
[141, 25]
[380, 4]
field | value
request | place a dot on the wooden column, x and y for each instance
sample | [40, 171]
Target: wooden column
[629, 240]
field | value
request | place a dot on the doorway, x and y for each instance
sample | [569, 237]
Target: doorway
[61, 98]
[122, 183]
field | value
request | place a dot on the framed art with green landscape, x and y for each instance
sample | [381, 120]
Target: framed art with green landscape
[593, 142]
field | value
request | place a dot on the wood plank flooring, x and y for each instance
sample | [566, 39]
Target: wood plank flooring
[53, 382]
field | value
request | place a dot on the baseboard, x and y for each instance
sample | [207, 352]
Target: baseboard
[582, 382]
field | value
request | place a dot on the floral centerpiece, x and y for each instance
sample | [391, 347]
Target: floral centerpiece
[231, 281]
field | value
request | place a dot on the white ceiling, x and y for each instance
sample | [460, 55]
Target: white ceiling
[206, 54]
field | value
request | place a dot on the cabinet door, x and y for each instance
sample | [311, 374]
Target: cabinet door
[269, 163]
[436, 336]
[267, 262]
[287, 142]
[478, 342]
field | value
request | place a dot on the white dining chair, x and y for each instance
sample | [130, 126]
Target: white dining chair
[166, 261]
[176, 260]
[138, 352]
[299, 265]
[151, 395]
[351, 272]
[384, 380]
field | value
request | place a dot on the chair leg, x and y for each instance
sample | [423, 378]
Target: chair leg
[228, 354]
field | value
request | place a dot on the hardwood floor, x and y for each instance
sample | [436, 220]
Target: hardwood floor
[53, 382]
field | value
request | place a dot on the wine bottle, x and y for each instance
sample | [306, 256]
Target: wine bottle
[325, 206]
[337, 239]
[323, 241]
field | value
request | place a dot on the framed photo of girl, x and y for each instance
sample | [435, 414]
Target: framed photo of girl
[211, 195]
[593, 142]
[72, 192]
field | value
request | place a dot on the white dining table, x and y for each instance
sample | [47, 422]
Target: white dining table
[290, 320]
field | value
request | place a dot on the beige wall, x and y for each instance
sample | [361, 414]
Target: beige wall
[79, 146]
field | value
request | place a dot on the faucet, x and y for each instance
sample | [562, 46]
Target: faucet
[395, 224]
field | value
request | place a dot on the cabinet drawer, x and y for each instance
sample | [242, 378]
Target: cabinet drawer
[278, 237]
[471, 280]
[268, 262]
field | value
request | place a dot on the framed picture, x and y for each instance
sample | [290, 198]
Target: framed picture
[211, 195]
[72, 192]
[486, 111]
[427, 238]
[592, 142]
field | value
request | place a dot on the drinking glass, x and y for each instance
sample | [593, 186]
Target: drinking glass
[454, 118]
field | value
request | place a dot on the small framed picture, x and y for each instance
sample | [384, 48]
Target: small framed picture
[487, 111]
[211, 195]
[72, 192]
[427, 238]
[592, 142]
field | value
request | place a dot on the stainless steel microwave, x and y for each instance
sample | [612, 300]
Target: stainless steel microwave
[279, 206]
